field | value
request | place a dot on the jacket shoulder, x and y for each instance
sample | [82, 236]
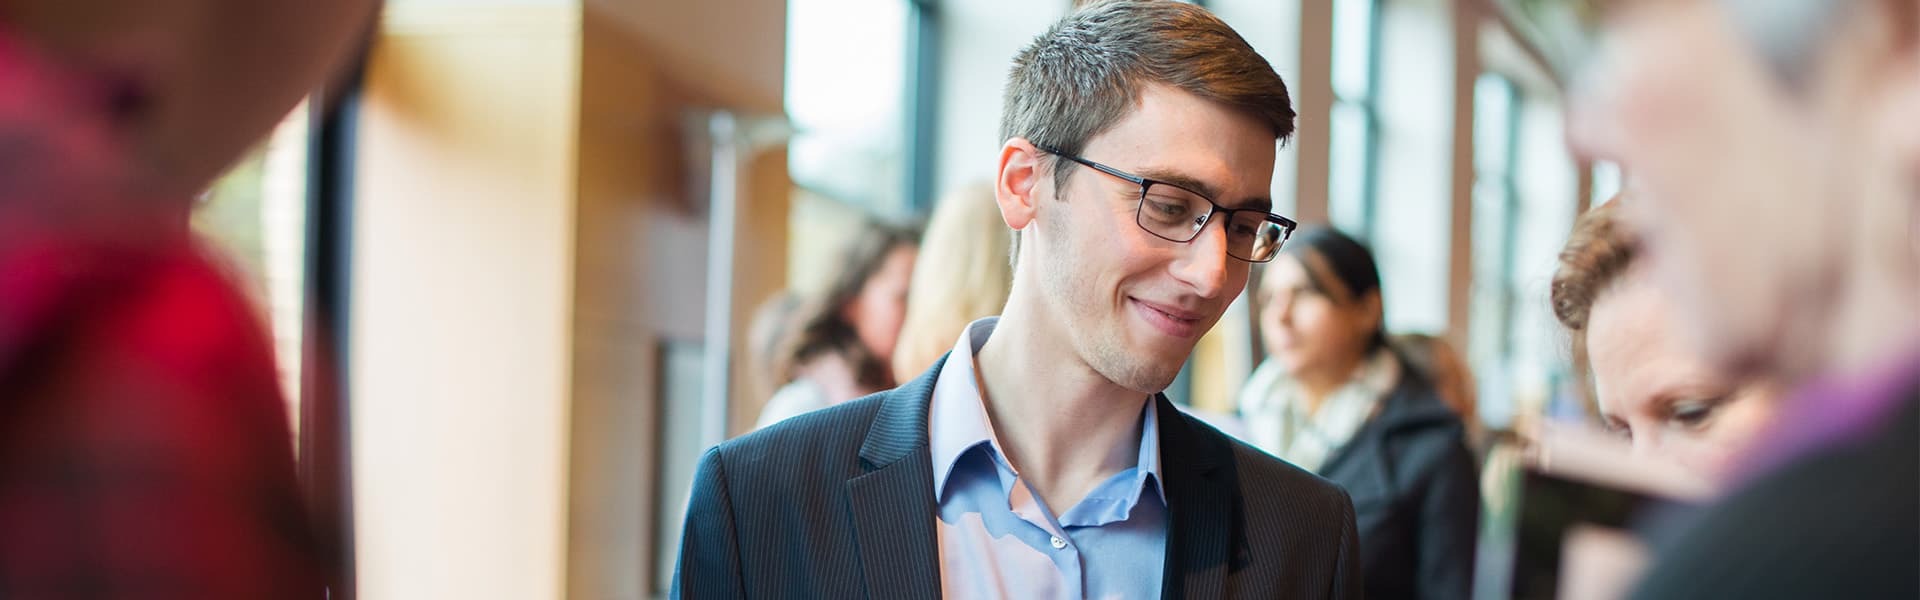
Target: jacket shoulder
[1267, 482]
[810, 445]
[1267, 479]
[1288, 520]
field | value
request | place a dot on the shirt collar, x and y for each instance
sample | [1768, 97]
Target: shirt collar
[958, 420]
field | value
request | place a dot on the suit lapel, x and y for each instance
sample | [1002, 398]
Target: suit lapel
[1203, 505]
[893, 504]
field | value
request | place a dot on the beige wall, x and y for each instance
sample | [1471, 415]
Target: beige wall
[727, 51]
[505, 329]
[462, 304]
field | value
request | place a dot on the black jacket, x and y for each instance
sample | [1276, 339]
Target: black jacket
[1842, 521]
[839, 503]
[1416, 491]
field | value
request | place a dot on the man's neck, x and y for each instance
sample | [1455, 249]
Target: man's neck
[1064, 427]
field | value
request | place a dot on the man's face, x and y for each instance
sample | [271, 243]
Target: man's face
[1735, 172]
[1132, 305]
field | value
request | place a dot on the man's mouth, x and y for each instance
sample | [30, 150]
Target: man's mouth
[1170, 320]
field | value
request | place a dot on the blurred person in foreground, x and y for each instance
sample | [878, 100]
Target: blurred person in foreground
[838, 342]
[144, 442]
[1775, 151]
[962, 275]
[1650, 387]
[1334, 398]
[1038, 459]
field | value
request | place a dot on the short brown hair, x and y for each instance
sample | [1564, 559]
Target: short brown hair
[1598, 251]
[1082, 76]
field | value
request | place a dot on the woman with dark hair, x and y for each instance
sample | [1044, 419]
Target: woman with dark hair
[839, 344]
[1334, 398]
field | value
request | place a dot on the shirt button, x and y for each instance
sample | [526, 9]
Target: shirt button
[1058, 544]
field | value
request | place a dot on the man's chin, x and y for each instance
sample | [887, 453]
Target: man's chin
[1145, 378]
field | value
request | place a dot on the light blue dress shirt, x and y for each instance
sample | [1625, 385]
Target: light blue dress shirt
[998, 539]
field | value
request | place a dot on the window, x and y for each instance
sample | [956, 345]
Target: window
[1523, 198]
[846, 93]
[1495, 127]
[1354, 122]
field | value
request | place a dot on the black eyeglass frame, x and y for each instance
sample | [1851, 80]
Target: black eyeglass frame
[1287, 226]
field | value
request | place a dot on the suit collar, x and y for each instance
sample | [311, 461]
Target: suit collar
[892, 500]
[1204, 541]
[901, 425]
[958, 423]
[1183, 444]
[893, 504]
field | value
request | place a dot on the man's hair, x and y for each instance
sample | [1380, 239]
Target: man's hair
[1082, 76]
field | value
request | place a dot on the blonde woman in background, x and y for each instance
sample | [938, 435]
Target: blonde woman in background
[962, 274]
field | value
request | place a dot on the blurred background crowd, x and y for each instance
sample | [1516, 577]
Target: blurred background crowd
[446, 298]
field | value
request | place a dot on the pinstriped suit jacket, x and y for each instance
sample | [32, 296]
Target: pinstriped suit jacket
[839, 503]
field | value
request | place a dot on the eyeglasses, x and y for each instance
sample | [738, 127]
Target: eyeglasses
[1178, 214]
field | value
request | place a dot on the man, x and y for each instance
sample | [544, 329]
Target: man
[144, 443]
[1777, 146]
[1038, 460]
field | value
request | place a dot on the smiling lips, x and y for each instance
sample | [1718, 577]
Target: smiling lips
[1169, 320]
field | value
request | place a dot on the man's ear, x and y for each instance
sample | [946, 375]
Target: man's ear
[1019, 178]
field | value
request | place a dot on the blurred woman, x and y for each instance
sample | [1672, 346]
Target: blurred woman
[962, 274]
[836, 348]
[1335, 399]
[1648, 385]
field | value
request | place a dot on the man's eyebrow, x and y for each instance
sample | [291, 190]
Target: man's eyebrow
[1182, 180]
[1261, 203]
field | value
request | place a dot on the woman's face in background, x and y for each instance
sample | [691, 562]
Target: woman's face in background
[1309, 328]
[1658, 393]
[877, 312]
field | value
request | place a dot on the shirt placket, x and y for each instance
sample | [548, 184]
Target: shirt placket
[1023, 503]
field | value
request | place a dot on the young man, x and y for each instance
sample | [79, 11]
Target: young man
[1038, 459]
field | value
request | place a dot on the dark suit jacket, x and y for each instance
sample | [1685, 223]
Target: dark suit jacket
[1416, 491]
[838, 503]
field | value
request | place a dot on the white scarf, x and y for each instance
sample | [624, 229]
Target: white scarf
[1275, 410]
